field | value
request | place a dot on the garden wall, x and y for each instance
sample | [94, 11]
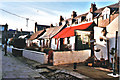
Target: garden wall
[67, 57]
[36, 56]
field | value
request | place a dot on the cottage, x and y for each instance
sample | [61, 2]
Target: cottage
[33, 38]
[46, 40]
[104, 32]
[77, 36]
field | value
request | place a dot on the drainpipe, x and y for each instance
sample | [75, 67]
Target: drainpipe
[108, 49]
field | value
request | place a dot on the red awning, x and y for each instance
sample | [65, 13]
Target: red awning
[69, 31]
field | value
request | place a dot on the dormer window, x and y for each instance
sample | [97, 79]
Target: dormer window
[89, 16]
[106, 13]
[103, 17]
[107, 16]
[79, 20]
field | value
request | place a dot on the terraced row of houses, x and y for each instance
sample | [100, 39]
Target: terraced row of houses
[75, 39]
[93, 30]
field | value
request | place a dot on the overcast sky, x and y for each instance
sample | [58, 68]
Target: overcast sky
[44, 13]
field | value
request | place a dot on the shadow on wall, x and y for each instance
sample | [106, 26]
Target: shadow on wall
[103, 48]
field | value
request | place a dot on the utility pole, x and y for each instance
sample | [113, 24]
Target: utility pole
[116, 42]
[27, 22]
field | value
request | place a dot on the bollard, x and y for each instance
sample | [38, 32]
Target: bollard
[75, 66]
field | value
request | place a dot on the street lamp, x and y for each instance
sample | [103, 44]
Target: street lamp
[6, 38]
[113, 62]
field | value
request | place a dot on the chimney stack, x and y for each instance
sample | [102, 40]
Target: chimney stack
[93, 7]
[61, 19]
[51, 25]
[35, 26]
[74, 14]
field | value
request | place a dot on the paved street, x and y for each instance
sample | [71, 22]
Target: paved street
[19, 68]
[13, 68]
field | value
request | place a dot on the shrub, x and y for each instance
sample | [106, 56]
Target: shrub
[46, 50]
[19, 43]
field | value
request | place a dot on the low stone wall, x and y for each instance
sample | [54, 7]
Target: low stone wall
[36, 56]
[67, 57]
[17, 52]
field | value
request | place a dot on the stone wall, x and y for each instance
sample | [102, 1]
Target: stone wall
[17, 52]
[67, 57]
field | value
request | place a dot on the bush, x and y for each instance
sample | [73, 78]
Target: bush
[66, 47]
[19, 43]
[46, 50]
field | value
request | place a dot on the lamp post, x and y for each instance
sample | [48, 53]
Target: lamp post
[113, 62]
[6, 38]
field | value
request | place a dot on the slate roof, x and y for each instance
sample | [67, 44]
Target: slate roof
[50, 32]
[35, 35]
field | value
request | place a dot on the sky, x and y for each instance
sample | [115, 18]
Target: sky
[44, 13]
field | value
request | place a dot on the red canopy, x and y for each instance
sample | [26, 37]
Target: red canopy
[69, 31]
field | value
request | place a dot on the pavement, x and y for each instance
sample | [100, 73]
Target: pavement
[82, 71]
[92, 72]
[20, 68]
[13, 69]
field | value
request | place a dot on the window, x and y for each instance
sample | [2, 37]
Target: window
[43, 43]
[47, 43]
[107, 16]
[103, 17]
[84, 39]
[40, 42]
[68, 40]
[55, 41]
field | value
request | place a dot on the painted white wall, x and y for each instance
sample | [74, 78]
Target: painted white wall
[53, 45]
[95, 20]
[72, 42]
[89, 15]
[79, 20]
[100, 44]
[36, 56]
[67, 57]
[111, 29]
[70, 22]
[106, 11]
